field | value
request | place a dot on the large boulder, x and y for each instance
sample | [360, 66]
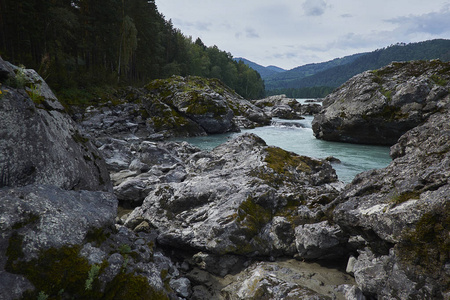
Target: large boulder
[64, 244]
[194, 106]
[402, 213]
[377, 107]
[243, 198]
[40, 143]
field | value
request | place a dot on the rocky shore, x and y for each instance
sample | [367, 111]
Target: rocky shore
[243, 221]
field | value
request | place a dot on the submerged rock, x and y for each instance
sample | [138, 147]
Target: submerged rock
[377, 107]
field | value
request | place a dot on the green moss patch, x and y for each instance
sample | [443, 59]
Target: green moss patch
[252, 217]
[64, 274]
[403, 197]
[130, 287]
[282, 161]
[427, 246]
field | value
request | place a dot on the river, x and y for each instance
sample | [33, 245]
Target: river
[297, 136]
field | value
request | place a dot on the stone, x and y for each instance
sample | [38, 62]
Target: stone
[320, 241]
[230, 200]
[192, 106]
[377, 107]
[40, 143]
[287, 280]
[182, 286]
[397, 209]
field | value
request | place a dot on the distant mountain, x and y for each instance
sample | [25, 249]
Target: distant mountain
[276, 69]
[265, 72]
[322, 75]
[283, 79]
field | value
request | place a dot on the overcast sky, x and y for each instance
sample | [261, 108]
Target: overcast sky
[290, 33]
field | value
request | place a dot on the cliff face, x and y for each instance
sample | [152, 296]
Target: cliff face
[402, 212]
[40, 143]
[377, 107]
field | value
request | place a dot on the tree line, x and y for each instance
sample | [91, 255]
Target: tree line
[82, 43]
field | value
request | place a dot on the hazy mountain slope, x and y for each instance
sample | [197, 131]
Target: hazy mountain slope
[265, 72]
[275, 80]
[335, 76]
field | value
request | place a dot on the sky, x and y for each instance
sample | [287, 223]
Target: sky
[291, 33]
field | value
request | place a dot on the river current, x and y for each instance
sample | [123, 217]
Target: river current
[297, 136]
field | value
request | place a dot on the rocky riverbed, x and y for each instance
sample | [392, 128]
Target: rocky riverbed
[243, 221]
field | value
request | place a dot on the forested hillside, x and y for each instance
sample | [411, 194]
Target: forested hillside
[78, 44]
[318, 84]
[265, 72]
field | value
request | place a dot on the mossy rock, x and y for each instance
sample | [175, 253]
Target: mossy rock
[63, 273]
[426, 248]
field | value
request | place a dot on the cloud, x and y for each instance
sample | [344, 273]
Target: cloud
[346, 16]
[198, 25]
[314, 7]
[249, 32]
[434, 23]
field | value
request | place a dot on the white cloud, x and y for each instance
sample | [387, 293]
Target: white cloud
[434, 23]
[289, 33]
[314, 7]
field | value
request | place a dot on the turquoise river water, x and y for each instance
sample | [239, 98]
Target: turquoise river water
[297, 136]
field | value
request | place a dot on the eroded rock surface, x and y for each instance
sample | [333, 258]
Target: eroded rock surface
[402, 211]
[377, 107]
[243, 197]
[40, 143]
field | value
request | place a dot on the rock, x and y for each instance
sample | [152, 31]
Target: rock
[48, 216]
[280, 107]
[287, 280]
[38, 218]
[6, 71]
[40, 143]
[219, 265]
[229, 201]
[194, 106]
[320, 240]
[377, 107]
[398, 210]
[182, 286]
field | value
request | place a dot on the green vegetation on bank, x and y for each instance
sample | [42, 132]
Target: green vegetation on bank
[79, 45]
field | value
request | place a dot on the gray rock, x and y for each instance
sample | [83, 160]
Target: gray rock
[287, 280]
[228, 201]
[377, 107]
[220, 265]
[41, 144]
[36, 218]
[397, 211]
[6, 71]
[49, 217]
[320, 240]
[182, 286]
[280, 106]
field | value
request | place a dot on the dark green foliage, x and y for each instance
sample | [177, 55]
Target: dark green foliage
[76, 45]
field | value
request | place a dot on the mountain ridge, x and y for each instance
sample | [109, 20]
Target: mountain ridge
[319, 79]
